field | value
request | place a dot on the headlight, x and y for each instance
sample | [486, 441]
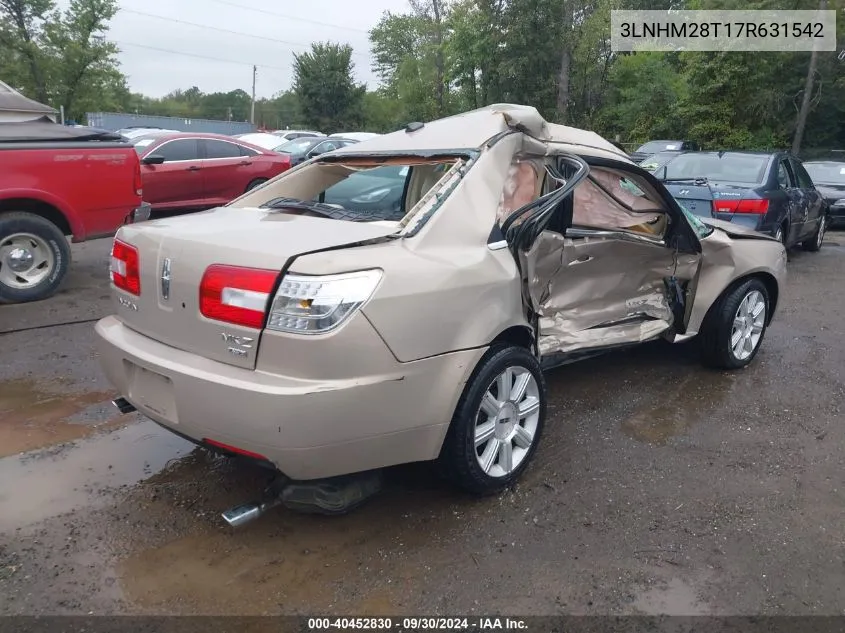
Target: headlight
[308, 304]
[373, 196]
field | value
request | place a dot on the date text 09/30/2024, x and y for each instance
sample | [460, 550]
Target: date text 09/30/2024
[417, 624]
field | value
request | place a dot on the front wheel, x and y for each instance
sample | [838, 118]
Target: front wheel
[814, 244]
[733, 332]
[498, 422]
[34, 257]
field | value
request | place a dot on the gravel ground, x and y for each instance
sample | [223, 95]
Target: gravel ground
[660, 487]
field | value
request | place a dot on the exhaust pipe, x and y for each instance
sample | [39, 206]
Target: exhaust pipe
[123, 405]
[248, 512]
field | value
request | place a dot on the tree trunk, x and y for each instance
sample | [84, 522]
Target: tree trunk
[563, 79]
[804, 112]
[439, 62]
[17, 11]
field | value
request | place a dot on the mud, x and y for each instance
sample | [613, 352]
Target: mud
[659, 487]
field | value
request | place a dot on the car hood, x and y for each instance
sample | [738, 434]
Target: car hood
[736, 230]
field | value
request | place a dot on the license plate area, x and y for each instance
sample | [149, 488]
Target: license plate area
[151, 392]
[703, 208]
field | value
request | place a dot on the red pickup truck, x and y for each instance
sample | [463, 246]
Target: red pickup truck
[55, 182]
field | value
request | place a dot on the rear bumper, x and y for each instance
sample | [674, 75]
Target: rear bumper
[139, 214]
[306, 428]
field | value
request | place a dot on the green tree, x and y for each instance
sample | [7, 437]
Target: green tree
[62, 57]
[328, 96]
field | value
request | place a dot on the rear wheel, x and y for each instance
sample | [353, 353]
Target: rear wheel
[498, 422]
[255, 183]
[34, 257]
[814, 243]
[734, 330]
[780, 235]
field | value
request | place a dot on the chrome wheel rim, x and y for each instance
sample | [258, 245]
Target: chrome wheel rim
[779, 235]
[748, 325]
[26, 260]
[506, 422]
[820, 235]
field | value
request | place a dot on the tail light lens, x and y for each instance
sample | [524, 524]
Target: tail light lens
[308, 304]
[238, 295]
[137, 182]
[125, 269]
[742, 206]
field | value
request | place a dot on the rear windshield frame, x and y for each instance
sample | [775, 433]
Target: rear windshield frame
[690, 157]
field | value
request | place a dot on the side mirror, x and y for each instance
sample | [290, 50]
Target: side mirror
[153, 159]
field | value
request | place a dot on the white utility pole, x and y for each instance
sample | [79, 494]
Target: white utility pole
[252, 112]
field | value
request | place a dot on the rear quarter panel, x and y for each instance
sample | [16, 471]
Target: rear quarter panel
[93, 187]
[726, 260]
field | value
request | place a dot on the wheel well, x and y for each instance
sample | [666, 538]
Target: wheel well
[771, 288]
[39, 208]
[519, 335]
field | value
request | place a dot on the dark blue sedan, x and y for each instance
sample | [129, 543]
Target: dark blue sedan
[768, 192]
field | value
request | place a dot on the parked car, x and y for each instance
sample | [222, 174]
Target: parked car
[355, 136]
[302, 149]
[58, 181]
[264, 140]
[767, 192]
[654, 162]
[653, 147]
[289, 135]
[321, 341]
[829, 179]
[377, 191]
[186, 171]
[135, 132]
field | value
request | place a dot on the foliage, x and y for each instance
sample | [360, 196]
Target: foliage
[328, 97]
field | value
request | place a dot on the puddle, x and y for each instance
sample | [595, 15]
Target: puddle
[674, 598]
[32, 417]
[657, 423]
[39, 486]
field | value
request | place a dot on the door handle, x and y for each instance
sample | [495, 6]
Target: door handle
[193, 168]
[581, 260]
[245, 162]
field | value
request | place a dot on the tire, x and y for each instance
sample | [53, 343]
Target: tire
[814, 243]
[780, 235]
[255, 183]
[723, 323]
[460, 458]
[28, 238]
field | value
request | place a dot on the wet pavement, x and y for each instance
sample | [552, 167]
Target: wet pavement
[660, 487]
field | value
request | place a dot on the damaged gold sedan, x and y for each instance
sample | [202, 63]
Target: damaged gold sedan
[410, 318]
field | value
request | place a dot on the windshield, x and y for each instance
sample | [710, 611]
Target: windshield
[746, 169]
[659, 146]
[826, 173]
[297, 146]
[650, 163]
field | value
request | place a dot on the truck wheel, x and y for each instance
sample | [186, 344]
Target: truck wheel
[34, 257]
[255, 183]
[498, 422]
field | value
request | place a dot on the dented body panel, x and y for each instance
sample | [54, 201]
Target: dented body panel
[495, 234]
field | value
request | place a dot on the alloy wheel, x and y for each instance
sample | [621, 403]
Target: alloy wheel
[749, 322]
[506, 422]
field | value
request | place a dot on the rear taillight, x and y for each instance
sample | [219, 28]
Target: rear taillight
[125, 269]
[742, 206]
[137, 183]
[238, 295]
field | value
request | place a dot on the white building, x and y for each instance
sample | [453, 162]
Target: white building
[14, 107]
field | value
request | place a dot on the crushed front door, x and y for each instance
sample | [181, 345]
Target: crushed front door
[598, 269]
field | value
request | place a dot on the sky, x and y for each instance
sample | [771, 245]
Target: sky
[273, 32]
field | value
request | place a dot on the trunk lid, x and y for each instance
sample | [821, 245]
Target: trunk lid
[697, 199]
[182, 248]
